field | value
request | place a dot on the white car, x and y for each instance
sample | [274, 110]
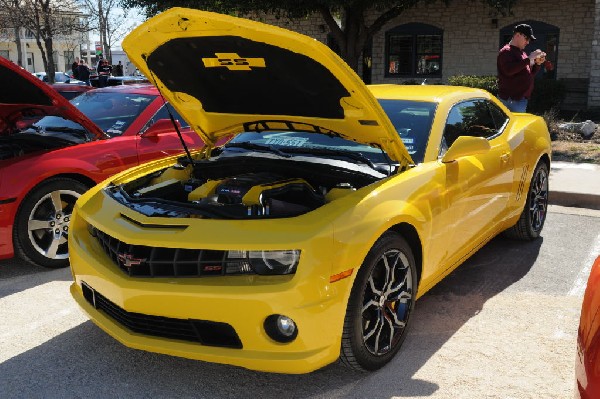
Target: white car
[59, 77]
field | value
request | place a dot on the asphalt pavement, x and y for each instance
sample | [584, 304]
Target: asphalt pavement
[575, 185]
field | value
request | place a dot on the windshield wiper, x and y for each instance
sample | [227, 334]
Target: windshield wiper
[357, 156]
[259, 147]
[64, 129]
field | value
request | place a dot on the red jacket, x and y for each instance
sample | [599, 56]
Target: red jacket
[515, 75]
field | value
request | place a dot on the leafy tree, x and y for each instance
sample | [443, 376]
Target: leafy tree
[351, 35]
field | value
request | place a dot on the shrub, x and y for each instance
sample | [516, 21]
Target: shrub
[489, 83]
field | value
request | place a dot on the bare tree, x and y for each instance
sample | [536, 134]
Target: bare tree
[111, 21]
[46, 20]
[12, 25]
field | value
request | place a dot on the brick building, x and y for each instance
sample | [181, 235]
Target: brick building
[434, 42]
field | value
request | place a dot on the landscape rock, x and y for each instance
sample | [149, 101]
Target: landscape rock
[586, 129]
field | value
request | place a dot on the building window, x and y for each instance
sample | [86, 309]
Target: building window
[4, 54]
[546, 39]
[69, 58]
[413, 50]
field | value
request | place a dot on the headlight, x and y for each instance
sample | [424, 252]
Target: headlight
[274, 262]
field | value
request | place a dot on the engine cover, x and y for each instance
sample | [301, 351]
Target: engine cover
[259, 194]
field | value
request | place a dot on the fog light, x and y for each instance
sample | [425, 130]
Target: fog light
[281, 328]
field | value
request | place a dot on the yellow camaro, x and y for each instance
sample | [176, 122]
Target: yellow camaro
[311, 233]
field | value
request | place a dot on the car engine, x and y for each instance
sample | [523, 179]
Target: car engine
[225, 190]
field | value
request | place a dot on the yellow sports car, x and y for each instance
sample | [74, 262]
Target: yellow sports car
[311, 233]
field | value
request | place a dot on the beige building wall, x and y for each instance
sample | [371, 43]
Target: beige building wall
[32, 56]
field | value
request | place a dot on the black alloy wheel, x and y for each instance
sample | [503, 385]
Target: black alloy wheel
[531, 222]
[380, 305]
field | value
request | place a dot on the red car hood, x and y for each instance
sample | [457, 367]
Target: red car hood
[25, 97]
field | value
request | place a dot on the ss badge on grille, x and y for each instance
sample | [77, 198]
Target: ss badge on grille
[128, 260]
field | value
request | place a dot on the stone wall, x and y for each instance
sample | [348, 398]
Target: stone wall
[471, 38]
[594, 86]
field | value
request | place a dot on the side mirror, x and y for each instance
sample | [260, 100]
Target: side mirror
[465, 146]
[161, 126]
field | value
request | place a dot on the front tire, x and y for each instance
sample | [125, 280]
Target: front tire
[531, 222]
[42, 223]
[380, 305]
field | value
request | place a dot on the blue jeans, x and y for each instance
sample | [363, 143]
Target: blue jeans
[515, 105]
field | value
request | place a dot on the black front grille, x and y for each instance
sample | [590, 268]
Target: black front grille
[209, 333]
[144, 261]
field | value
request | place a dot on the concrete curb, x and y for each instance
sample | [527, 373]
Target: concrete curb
[575, 200]
[575, 185]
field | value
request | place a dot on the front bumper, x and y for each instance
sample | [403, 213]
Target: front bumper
[243, 302]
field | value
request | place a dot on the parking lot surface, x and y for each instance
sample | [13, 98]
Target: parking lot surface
[503, 325]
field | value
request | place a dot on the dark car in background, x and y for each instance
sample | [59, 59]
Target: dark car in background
[119, 80]
[70, 91]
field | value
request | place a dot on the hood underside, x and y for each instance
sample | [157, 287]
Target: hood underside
[226, 75]
[26, 98]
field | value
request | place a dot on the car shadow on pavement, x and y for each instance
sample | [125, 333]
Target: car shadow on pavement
[17, 275]
[84, 361]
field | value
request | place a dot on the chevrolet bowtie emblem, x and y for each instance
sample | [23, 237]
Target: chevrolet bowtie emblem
[127, 260]
[233, 62]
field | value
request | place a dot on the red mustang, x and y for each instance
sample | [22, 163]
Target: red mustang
[587, 366]
[51, 151]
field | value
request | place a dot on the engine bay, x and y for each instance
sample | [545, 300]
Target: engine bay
[234, 188]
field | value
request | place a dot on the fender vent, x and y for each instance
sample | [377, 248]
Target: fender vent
[522, 182]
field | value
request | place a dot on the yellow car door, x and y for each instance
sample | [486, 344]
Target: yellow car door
[478, 181]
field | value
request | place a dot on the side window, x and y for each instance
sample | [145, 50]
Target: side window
[499, 117]
[469, 118]
[163, 113]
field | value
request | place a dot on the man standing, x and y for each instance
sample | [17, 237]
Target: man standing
[83, 72]
[516, 69]
[74, 67]
[104, 71]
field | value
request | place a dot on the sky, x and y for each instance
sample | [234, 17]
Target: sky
[134, 18]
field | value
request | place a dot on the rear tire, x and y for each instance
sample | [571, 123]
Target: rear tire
[531, 222]
[42, 222]
[380, 305]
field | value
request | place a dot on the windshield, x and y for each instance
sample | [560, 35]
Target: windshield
[309, 144]
[113, 112]
[412, 120]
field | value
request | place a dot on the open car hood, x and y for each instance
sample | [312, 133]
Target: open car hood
[26, 98]
[226, 75]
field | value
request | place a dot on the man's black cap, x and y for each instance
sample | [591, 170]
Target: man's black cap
[525, 29]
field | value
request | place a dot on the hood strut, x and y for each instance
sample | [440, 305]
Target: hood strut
[185, 147]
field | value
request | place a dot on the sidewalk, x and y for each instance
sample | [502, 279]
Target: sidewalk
[575, 185]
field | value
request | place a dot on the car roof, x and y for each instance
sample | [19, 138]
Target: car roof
[426, 93]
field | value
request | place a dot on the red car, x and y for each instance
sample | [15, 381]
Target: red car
[51, 151]
[587, 366]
